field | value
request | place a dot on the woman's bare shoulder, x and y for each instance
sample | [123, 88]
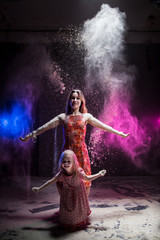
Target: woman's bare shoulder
[87, 116]
[62, 116]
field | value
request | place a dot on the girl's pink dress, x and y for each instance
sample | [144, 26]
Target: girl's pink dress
[74, 204]
[74, 139]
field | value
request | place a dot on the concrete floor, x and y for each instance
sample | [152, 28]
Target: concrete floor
[122, 208]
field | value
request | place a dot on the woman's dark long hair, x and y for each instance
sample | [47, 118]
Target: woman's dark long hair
[82, 108]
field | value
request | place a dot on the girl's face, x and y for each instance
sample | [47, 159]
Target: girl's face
[67, 163]
[75, 101]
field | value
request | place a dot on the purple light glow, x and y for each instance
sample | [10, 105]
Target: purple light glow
[30, 72]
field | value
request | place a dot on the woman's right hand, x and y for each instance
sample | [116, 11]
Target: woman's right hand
[35, 189]
[25, 139]
[29, 136]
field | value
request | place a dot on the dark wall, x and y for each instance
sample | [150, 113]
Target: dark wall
[51, 97]
[146, 58]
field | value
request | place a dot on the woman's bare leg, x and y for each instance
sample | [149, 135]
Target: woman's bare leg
[88, 190]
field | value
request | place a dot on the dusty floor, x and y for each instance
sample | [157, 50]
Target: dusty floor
[122, 208]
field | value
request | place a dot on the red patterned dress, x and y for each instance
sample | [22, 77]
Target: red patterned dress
[74, 139]
[74, 204]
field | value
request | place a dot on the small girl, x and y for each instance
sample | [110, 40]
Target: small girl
[74, 204]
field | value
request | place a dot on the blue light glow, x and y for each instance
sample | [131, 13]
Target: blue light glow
[14, 122]
[4, 122]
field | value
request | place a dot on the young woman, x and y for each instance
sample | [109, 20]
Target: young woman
[74, 204]
[74, 122]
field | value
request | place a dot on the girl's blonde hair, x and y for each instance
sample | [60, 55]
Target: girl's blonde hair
[82, 108]
[74, 159]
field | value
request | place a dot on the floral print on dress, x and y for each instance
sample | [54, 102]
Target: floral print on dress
[74, 139]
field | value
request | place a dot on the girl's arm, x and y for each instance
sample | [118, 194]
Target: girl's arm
[92, 177]
[51, 124]
[49, 182]
[96, 123]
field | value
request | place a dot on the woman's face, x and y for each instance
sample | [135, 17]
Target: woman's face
[75, 101]
[67, 163]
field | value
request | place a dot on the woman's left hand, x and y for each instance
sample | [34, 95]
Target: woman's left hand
[124, 135]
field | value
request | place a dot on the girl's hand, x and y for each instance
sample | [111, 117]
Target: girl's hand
[124, 135]
[35, 189]
[102, 173]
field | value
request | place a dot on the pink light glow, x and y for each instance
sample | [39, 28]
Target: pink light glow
[116, 114]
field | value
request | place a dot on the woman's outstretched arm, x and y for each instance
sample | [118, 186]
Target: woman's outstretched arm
[49, 125]
[96, 123]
